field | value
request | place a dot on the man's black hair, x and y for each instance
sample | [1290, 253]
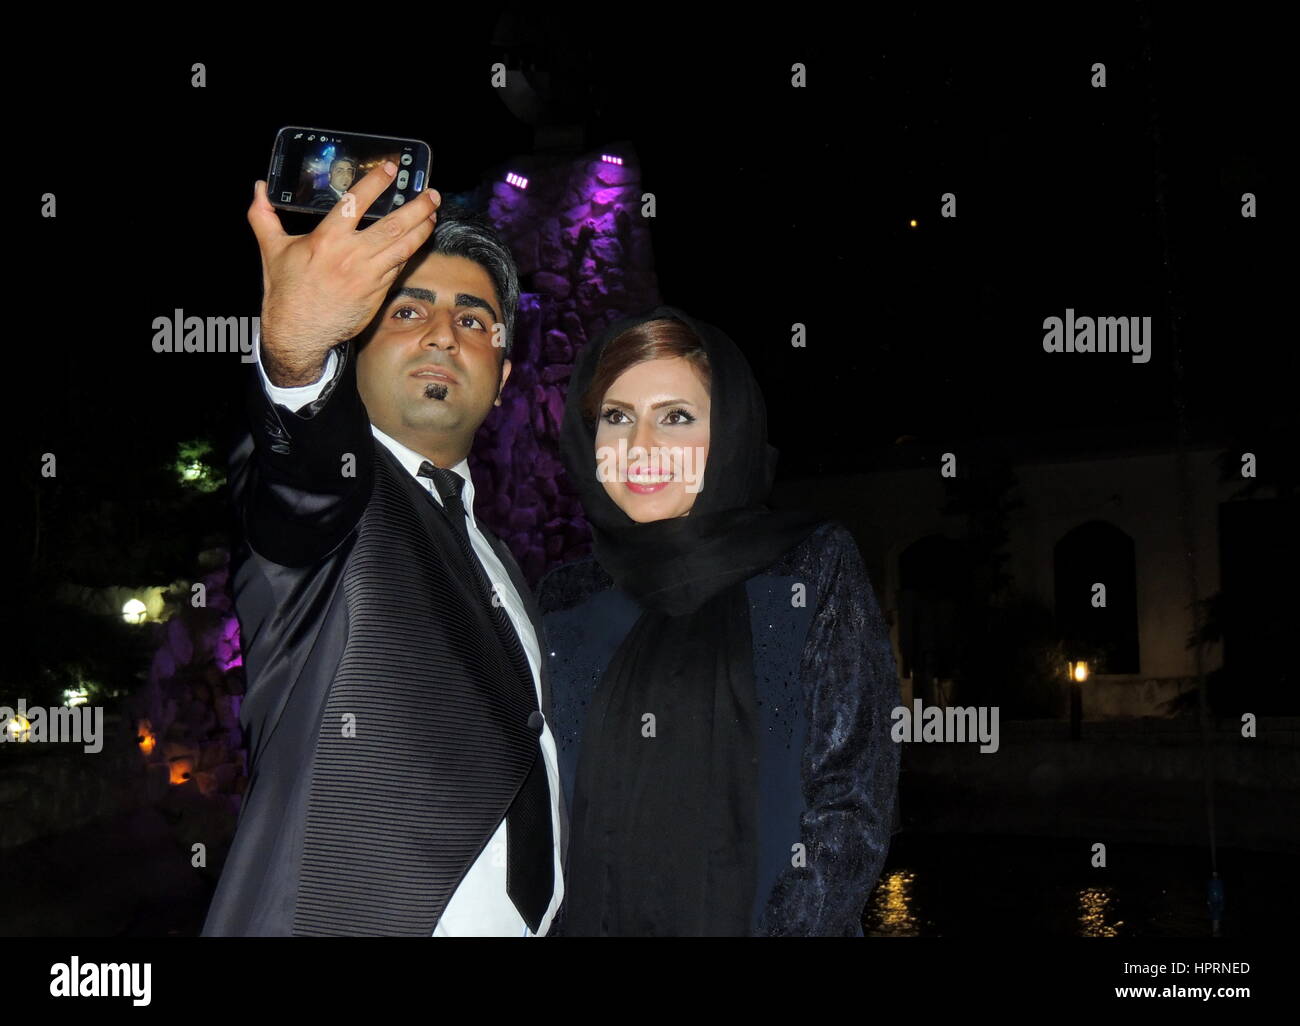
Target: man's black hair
[464, 233]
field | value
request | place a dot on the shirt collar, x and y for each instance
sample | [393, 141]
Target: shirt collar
[412, 460]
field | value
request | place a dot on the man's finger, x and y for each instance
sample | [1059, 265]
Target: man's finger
[401, 250]
[263, 218]
[396, 223]
[346, 213]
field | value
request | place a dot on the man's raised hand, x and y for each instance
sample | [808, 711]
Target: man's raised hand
[324, 287]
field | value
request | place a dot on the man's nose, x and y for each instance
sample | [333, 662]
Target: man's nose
[439, 334]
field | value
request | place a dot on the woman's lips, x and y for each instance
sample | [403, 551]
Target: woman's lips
[647, 489]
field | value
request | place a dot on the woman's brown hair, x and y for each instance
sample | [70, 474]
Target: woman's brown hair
[663, 339]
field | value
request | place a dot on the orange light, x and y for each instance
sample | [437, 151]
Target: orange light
[145, 737]
[182, 769]
[912, 223]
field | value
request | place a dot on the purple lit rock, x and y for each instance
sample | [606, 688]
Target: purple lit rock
[526, 251]
[576, 215]
[571, 323]
[606, 224]
[557, 348]
[509, 195]
[607, 199]
[592, 294]
[607, 251]
[551, 249]
[553, 284]
[555, 408]
[585, 254]
[613, 174]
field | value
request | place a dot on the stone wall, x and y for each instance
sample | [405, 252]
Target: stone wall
[585, 260]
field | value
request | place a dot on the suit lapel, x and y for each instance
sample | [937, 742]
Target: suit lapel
[463, 579]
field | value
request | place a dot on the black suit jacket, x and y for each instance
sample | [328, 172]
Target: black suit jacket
[323, 199]
[351, 605]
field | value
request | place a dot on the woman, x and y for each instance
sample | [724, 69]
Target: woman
[721, 678]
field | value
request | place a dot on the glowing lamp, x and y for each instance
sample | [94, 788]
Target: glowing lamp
[181, 769]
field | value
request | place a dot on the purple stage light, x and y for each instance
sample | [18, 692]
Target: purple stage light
[518, 181]
[609, 158]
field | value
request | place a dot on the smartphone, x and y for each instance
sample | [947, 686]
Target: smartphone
[311, 168]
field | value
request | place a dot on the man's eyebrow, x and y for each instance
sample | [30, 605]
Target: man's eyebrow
[653, 406]
[462, 299]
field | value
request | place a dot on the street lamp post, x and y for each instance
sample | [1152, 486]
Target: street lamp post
[1078, 672]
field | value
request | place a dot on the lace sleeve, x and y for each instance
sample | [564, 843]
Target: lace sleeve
[850, 763]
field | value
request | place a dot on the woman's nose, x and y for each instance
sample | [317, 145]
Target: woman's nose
[644, 436]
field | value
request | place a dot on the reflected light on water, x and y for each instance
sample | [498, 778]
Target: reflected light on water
[891, 912]
[1094, 911]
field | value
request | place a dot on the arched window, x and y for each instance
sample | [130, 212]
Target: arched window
[1098, 553]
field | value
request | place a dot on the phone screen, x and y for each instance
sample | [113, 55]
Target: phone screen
[311, 169]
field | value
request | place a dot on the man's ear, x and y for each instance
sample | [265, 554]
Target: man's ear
[505, 374]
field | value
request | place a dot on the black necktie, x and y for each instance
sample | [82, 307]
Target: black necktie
[530, 872]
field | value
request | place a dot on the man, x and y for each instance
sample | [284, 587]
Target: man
[403, 779]
[343, 172]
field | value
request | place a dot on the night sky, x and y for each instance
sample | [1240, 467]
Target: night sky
[776, 205]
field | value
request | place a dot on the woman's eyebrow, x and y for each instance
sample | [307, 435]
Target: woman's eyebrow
[653, 406]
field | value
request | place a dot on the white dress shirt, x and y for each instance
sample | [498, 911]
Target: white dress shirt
[480, 906]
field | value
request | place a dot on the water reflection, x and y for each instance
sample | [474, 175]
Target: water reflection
[1096, 913]
[983, 886]
[890, 912]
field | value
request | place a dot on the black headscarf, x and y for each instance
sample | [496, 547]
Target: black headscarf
[665, 810]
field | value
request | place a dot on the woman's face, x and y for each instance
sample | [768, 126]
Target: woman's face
[652, 439]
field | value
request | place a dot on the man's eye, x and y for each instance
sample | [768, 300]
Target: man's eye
[400, 309]
[471, 317]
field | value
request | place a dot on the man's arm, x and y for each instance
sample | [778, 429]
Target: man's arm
[294, 397]
[312, 467]
[311, 471]
[850, 762]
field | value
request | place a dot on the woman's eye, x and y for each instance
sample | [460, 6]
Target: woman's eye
[611, 413]
[686, 417]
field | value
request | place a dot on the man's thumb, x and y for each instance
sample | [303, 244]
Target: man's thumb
[262, 216]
